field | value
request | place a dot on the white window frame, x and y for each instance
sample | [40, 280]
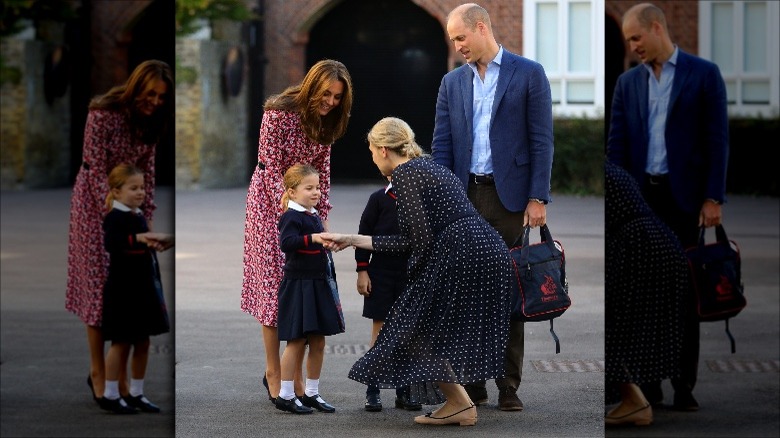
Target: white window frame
[737, 108]
[565, 109]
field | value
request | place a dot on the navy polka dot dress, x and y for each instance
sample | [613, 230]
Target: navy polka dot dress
[451, 323]
[646, 276]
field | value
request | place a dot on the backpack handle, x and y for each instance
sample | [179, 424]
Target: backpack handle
[523, 241]
[720, 234]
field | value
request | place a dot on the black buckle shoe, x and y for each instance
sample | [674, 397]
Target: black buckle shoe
[118, 406]
[92, 390]
[317, 403]
[294, 405]
[142, 403]
[373, 403]
[402, 402]
[268, 390]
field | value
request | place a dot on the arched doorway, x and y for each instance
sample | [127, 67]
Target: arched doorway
[396, 54]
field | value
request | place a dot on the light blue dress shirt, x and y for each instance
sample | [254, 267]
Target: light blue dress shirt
[484, 93]
[659, 92]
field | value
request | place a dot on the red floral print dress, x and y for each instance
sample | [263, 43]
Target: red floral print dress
[282, 144]
[108, 141]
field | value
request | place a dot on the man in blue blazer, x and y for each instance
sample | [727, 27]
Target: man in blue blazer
[669, 130]
[494, 130]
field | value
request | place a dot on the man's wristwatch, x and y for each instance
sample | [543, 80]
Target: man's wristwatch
[537, 200]
[714, 201]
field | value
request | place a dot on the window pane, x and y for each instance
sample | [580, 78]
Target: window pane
[580, 92]
[555, 91]
[755, 37]
[547, 36]
[755, 92]
[731, 91]
[579, 37]
[723, 36]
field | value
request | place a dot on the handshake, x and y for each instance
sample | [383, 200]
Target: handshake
[336, 242]
[156, 241]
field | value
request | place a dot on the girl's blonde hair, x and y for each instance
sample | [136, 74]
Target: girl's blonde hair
[396, 135]
[117, 178]
[293, 177]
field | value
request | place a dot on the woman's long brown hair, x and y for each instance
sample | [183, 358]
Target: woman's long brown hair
[305, 99]
[123, 97]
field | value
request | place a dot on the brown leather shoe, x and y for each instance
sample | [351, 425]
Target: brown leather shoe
[508, 400]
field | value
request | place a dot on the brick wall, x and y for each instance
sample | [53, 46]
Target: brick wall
[210, 125]
[288, 24]
[188, 115]
[36, 136]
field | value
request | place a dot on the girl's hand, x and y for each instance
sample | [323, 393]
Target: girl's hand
[364, 283]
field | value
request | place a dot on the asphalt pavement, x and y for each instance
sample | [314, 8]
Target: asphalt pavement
[207, 375]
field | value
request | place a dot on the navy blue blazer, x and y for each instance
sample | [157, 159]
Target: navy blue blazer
[697, 136]
[521, 129]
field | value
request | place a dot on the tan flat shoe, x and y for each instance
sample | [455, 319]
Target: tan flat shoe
[464, 417]
[640, 417]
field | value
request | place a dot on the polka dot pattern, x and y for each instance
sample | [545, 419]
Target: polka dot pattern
[646, 275]
[451, 323]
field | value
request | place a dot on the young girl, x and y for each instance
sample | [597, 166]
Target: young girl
[309, 305]
[133, 304]
[381, 279]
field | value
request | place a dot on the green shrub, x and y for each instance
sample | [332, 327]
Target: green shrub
[187, 11]
[578, 163]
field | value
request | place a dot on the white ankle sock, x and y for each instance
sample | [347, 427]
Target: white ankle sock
[287, 390]
[112, 390]
[136, 387]
[312, 387]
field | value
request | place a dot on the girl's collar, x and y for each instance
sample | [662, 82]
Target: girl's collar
[122, 207]
[298, 207]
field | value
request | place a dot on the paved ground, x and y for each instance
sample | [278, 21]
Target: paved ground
[219, 353]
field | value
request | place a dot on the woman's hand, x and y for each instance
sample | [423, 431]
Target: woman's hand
[157, 241]
[335, 242]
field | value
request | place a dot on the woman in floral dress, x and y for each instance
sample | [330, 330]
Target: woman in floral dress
[299, 125]
[123, 126]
